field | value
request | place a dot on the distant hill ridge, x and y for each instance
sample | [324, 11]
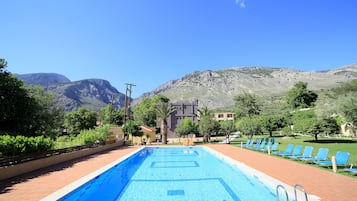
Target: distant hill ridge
[43, 79]
[216, 89]
[91, 93]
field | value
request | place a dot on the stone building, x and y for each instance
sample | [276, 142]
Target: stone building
[182, 110]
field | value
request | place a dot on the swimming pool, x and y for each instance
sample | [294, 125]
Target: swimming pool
[170, 173]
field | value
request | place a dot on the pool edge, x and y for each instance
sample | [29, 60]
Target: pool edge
[261, 176]
[74, 185]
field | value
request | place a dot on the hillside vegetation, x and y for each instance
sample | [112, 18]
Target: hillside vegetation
[216, 89]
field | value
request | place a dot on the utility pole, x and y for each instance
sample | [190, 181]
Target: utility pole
[111, 110]
[127, 101]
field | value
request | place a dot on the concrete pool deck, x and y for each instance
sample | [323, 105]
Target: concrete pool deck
[324, 184]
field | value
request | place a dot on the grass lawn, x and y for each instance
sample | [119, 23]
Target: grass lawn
[333, 144]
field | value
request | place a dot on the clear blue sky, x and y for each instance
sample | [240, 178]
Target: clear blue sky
[149, 42]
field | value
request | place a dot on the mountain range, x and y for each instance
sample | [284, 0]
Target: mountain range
[217, 89]
[214, 89]
[90, 93]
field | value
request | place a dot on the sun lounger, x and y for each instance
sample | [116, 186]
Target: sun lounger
[268, 144]
[256, 146]
[275, 146]
[322, 155]
[272, 148]
[261, 146]
[247, 143]
[288, 150]
[306, 154]
[296, 152]
[341, 160]
[351, 170]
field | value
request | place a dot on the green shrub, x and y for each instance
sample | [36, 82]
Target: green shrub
[97, 135]
[17, 145]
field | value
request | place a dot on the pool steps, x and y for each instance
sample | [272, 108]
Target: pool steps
[286, 193]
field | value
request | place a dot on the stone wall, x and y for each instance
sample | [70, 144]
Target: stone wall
[22, 168]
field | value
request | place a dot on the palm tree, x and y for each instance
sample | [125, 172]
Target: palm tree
[163, 111]
[204, 112]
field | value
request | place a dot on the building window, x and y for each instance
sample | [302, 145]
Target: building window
[220, 115]
[229, 115]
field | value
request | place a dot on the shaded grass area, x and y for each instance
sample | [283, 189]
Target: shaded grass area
[334, 145]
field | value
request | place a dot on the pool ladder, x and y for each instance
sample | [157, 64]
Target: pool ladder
[286, 193]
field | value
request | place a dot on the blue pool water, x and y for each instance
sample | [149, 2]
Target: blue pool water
[173, 174]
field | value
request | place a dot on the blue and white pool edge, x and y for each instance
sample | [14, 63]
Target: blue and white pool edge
[76, 184]
[266, 179]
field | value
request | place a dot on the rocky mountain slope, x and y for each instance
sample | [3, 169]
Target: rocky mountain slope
[43, 79]
[217, 89]
[90, 93]
[214, 89]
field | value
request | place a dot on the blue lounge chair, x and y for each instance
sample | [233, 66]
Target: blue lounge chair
[275, 146]
[341, 160]
[266, 146]
[261, 146]
[322, 155]
[295, 152]
[351, 170]
[289, 149]
[247, 143]
[256, 146]
[306, 154]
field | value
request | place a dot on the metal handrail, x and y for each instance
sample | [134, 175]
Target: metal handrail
[277, 192]
[302, 189]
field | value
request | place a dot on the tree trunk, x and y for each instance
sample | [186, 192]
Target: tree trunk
[205, 138]
[315, 137]
[271, 133]
[164, 132]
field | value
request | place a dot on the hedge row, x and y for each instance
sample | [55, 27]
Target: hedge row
[17, 145]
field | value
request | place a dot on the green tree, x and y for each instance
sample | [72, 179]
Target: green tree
[16, 105]
[272, 123]
[110, 115]
[145, 111]
[303, 120]
[82, 119]
[349, 110]
[163, 111]
[330, 126]
[133, 128]
[247, 105]
[300, 97]
[248, 108]
[47, 117]
[227, 127]
[26, 110]
[315, 128]
[185, 127]
[3, 65]
[249, 126]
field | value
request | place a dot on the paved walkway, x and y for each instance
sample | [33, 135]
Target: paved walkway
[327, 185]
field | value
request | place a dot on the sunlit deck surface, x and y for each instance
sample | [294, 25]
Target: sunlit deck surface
[324, 184]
